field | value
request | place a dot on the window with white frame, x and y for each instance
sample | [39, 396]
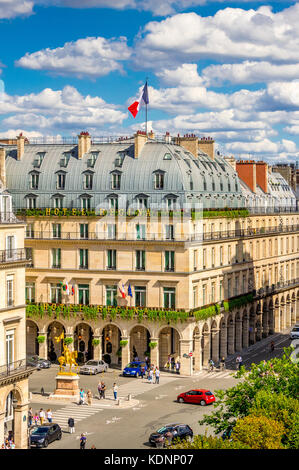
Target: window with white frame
[159, 180]
[60, 181]
[140, 231]
[30, 292]
[56, 293]
[111, 295]
[115, 180]
[56, 258]
[9, 291]
[31, 202]
[140, 296]
[10, 347]
[169, 297]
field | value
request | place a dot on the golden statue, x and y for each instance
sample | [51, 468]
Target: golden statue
[67, 357]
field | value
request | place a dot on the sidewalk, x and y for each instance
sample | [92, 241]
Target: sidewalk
[108, 402]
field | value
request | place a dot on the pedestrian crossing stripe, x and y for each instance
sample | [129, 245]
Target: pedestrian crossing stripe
[215, 375]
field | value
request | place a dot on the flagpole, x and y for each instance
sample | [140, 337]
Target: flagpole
[146, 109]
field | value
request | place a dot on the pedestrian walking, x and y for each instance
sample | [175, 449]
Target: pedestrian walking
[211, 365]
[49, 416]
[82, 441]
[42, 416]
[150, 376]
[222, 363]
[71, 425]
[35, 418]
[30, 417]
[115, 389]
[272, 347]
[100, 389]
[177, 366]
[157, 375]
[81, 397]
[239, 361]
[93, 446]
[172, 364]
[89, 397]
[103, 389]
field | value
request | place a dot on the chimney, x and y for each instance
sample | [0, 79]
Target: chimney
[2, 166]
[84, 144]
[247, 172]
[20, 146]
[140, 140]
[151, 135]
[207, 145]
[167, 138]
[189, 142]
[262, 175]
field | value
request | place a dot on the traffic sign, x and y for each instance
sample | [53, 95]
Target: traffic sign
[190, 354]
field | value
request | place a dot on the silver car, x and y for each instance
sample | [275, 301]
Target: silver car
[295, 332]
[94, 367]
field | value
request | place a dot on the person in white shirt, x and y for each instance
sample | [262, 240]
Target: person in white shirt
[42, 416]
[115, 388]
[49, 415]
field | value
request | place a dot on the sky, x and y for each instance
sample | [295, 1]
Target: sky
[228, 70]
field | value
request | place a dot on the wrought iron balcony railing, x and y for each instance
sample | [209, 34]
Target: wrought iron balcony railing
[14, 368]
[12, 256]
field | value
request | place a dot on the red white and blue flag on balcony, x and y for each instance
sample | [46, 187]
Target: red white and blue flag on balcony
[143, 100]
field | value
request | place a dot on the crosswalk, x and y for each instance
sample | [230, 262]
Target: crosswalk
[135, 387]
[78, 413]
[205, 374]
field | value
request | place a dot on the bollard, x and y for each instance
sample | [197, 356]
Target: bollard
[118, 402]
[129, 397]
[30, 395]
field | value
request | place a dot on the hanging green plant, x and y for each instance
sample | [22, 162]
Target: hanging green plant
[95, 342]
[41, 339]
[123, 343]
[67, 341]
[152, 345]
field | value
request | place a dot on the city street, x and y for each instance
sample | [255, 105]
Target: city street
[109, 426]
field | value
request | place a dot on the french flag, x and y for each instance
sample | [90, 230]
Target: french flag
[143, 100]
[122, 291]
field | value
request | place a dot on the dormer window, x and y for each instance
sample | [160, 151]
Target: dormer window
[31, 201]
[115, 180]
[142, 201]
[167, 156]
[113, 202]
[60, 182]
[64, 160]
[38, 159]
[57, 201]
[34, 180]
[85, 201]
[88, 180]
[92, 159]
[159, 180]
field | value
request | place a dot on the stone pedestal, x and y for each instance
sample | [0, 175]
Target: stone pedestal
[67, 387]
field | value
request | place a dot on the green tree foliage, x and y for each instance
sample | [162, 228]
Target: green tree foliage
[207, 442]
[280, 408]
[279, 376]
[258, 432]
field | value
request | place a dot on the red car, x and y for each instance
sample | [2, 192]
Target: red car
[198, 396]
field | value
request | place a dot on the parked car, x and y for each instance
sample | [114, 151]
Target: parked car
[198, 396]
[135, 369]
[93, 367]
[38, 362]
[295, 332]
[42, 436]
[181, 431]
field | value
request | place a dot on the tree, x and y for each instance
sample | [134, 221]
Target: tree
[282, 409]
[258, 432]
[280, 376]
[207, 442]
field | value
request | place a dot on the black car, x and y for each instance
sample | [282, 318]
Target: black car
[38, 362]
[170, 432]
[41, 436]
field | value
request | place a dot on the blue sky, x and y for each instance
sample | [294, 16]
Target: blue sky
[224, 69]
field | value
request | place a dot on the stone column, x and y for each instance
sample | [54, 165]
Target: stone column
[125, 352]
[238, 334]
[185, 359]
[215, 344]
[276, 319]
[282, 317]
[2, 416]
[154, 356]
[288, 314]
[20, 426]
[265, 320]
[206, 348]
[271, 321]
[297, 310]
[97, 350]
[252, 330]
[245, 332]
[43, 347]
[231, 337]
[223, 341]
[258, 330]
[197, 359]
[293, 312]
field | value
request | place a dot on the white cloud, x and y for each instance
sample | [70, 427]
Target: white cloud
[184, 75]
[52, 111]
[13, 8]
[231, 33]
[92, 57]
[248, 72]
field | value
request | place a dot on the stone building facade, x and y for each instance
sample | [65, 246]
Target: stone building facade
[13, 370]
